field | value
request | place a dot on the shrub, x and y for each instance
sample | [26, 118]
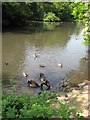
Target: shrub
[51, 17]
[22, 106]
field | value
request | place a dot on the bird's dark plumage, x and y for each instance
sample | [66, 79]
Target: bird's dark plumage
[32, 83]
[42, 77]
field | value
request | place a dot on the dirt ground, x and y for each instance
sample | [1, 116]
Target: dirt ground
[79, 99]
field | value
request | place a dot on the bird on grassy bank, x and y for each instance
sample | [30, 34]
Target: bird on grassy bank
[25, 75]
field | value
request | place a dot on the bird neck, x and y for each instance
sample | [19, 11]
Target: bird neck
[45, 84]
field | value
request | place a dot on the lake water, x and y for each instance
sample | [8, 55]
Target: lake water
[54, 43]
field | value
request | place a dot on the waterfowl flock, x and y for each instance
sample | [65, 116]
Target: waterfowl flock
[42, 78]
[34, 84]
[44, 82]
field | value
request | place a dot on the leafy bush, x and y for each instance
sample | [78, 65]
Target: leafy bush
[51, 17]
[79, 12]
[22, 106]
[87, 28]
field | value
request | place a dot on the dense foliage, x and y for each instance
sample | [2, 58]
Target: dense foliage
[15, 13]
[87, 27]
[42, 106]
[78, 11]
[50, 17]
[20, 13]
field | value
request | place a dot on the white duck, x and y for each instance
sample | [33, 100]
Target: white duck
[34, 55]
[25, 75]
[60, 65]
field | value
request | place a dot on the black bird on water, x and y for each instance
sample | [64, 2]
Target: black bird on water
[34, 84]
[45, 82]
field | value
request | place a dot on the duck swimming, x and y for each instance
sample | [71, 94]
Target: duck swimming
[34, 84]
[42, 66]
[34, 55]
[25, 75]
[42, 77]
[60, 65]
[47, 83]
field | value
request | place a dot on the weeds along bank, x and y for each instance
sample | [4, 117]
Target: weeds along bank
[41, 106]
